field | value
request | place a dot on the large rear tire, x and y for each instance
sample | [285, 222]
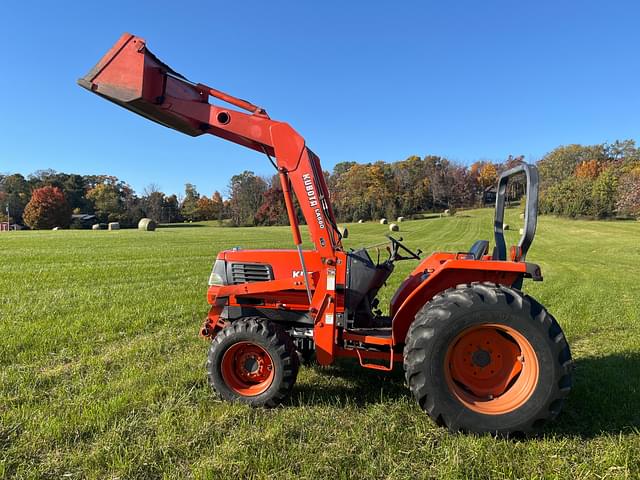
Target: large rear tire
[487, 358]
[253, 361]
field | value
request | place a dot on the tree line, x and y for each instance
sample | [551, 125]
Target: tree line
[48, 198]
[597, 181]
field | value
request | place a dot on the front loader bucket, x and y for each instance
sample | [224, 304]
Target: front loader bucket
[131, 76]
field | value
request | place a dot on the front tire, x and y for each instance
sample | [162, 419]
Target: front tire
[253, 361]
[487, 358]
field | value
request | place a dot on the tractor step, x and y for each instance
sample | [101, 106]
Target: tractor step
[367, 341]
[371, 336]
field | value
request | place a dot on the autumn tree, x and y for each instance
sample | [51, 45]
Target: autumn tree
[351, 193]
[113, 200]
[381, 191]
[588, 169]
[488, 175]
[561, 163]
[628, 201]
[463, 188]
[47, 209]
[107, 202]
[412, 185]
[273, 210]
[210, 208]
[437, 170]
[73, 186]
[245, 196]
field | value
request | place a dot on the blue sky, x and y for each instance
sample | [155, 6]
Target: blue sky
[361, 81]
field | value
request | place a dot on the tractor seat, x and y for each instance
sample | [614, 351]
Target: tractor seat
[478, 249]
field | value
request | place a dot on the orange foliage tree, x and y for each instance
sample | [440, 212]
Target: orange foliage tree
[47, 209]
[588, 169]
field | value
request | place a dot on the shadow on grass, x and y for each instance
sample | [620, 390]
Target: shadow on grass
[356, 386]
[605, 397]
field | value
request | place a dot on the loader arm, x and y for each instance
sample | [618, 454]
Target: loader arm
[132, 77]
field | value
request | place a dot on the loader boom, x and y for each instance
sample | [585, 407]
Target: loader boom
[132, 77]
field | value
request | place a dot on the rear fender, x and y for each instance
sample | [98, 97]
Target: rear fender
[442, 271]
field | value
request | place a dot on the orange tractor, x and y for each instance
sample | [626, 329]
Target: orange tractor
[479, 355]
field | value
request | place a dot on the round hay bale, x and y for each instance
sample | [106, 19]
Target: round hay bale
[522, 216]
[360, 221]
[383, 221]
[96, 226]
[505, 226]
[447, 212]
[147, 225]
[400, 219]
[344, 231]
[114, 226]
[394, 227]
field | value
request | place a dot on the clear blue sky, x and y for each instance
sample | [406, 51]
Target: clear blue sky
[361, 81]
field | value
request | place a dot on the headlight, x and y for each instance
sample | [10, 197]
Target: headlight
[218, 274]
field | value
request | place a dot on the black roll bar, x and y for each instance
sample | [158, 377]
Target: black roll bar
[530, 212]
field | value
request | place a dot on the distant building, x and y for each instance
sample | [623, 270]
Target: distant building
[83, 220]
[5, 227]
[489, 195]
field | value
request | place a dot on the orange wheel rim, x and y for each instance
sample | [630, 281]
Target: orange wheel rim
[491, 369]
[247, 369]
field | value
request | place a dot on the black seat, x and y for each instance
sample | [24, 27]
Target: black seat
[478, 249]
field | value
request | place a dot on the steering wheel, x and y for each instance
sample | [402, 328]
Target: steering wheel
[396, 245]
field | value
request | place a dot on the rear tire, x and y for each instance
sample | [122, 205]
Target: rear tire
[487, 358]
[253, 361]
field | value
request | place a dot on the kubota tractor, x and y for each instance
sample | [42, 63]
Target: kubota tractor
[478, 354]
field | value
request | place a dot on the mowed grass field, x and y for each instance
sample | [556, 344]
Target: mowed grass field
[102, 371]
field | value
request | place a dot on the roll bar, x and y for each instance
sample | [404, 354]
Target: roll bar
[530, 211]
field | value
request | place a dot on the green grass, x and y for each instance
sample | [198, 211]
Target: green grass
[102, 372]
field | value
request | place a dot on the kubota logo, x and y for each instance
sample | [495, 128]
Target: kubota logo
[297, 273]
[313, 199]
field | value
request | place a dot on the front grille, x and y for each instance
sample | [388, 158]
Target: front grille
[250, 272]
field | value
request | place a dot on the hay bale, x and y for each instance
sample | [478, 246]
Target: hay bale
[394, 227]
[505, 226]
[522, 216]
[447, 212]
[96, 226]
[400, 219]
[114, 226]
[360, 221]
[147, 225]
[383, 221]
[521, 231]
[344, 231]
